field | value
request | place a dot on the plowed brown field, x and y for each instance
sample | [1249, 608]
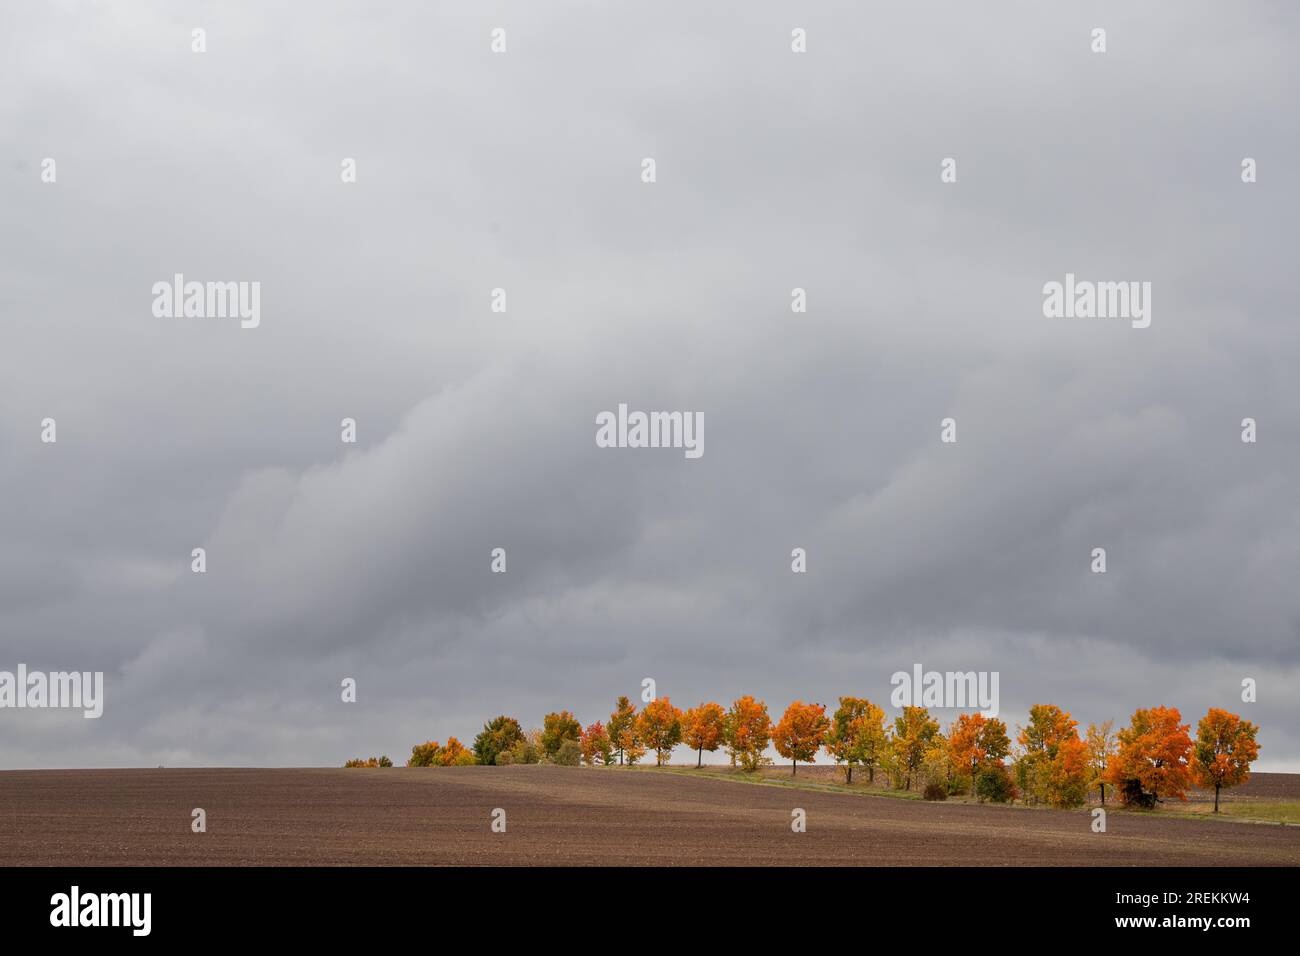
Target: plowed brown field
[559, 815]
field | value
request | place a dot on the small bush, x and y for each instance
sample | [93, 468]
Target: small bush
[505, 758]
[385, 762]
[569, 754]
[994, 785]
[958, 786]
[527, 750]
[936, 791]
[1131, 794]
[751, 761]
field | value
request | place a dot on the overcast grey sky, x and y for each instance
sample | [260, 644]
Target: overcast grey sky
[476, 430]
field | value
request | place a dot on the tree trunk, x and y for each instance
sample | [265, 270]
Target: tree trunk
[1103, 794]
[699, 758]
[794, 767]
[1216, 798]
[871, 774]
[850, 780]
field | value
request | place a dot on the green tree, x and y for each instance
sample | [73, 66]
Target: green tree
[498, 735]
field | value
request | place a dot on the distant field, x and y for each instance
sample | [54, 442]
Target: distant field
[560, 815]
[1266, 798]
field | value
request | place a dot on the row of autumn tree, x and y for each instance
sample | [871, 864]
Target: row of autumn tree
[1152, 759]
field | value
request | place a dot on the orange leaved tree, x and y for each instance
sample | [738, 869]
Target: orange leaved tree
[556, 729]
[914, 734]
[596, 745]
[1224, 750]
[1042, 774]
[1101, 747]
[1152, 758]
[369, 762]
[800, 733]
[1067, 775]
[976, 742]
[702, 729]
[456, 754]
[747, 732]
[427, 754]
[630, 746]
[659, 728]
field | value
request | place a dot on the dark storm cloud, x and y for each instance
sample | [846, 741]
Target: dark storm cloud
[476, 430]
